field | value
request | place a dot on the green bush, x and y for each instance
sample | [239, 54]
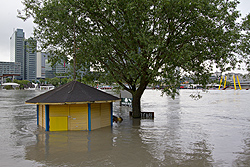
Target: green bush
[8, 87]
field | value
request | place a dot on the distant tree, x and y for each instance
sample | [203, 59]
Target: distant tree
[42, 81]
[92, 77]
[8, 87]
[16, 81]
[245, 42]
[8, 80]
[228, 83]
[64, 81]
[23, 83]
[55, 81]
[246, 76]
[47, 81]
[139, 42]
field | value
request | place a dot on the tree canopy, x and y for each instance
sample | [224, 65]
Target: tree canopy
[137, 42]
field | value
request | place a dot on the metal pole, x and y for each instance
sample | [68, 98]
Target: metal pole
[225, 82]
[234, 82]
[220, 81]
[239, 82]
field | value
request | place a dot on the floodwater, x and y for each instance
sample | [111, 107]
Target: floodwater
[212, 131]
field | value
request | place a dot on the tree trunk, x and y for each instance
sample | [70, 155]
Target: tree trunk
[136, 95]
[136, 105]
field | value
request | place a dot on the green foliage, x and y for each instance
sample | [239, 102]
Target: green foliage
[136, 43]
[8, 80]
[64, 81]
[55, 81]
[47, 80]
[228, 83]
[42, 81]
[22, 83]
[8, 87]
[245, 42]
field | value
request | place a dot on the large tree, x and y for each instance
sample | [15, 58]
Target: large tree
[138, 42]
[245, 42]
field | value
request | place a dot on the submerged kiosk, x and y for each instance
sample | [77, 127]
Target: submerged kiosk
[74, 106]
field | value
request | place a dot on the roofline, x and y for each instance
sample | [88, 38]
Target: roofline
[86, 102]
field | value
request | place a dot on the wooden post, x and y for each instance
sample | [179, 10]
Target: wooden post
[47, 117]
[37, 113]
[111, 113]
[89, 116]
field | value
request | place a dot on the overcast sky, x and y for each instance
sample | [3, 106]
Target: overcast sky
[10, 22]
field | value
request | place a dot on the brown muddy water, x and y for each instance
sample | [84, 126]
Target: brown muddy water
[212, 131]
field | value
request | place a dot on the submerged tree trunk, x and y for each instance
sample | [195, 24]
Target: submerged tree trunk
[136, 95]
[136, 106]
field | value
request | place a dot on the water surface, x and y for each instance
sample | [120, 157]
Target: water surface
[212, 131]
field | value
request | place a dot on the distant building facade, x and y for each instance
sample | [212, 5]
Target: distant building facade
[41, 58]
[30, 59]
[46, 70]
[50, 71]
[9, 69]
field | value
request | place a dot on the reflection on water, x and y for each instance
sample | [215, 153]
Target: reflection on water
[213, 131]
[168, 139]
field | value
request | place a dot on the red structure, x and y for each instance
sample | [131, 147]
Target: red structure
[8, 75]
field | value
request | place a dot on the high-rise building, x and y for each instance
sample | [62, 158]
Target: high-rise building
[41, 58]
[17, 49]
[30, 59]
[23, 51]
